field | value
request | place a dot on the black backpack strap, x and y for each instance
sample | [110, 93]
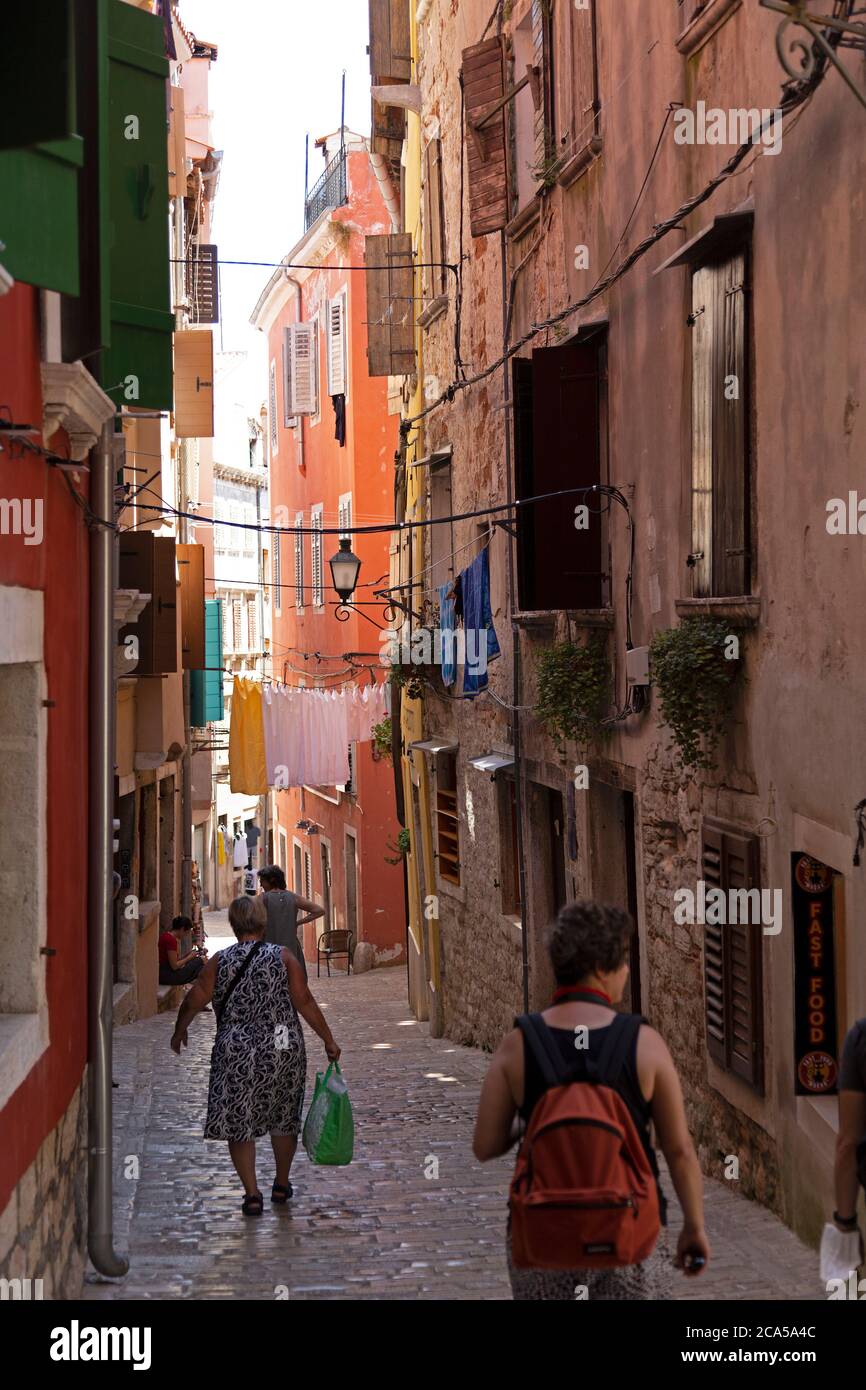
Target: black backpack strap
[616, 1047]
[544, 1050]
[236, 981]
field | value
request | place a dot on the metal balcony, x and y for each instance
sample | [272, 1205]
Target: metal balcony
[330, 192]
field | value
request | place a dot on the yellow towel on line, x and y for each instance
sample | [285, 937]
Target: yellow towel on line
[247, 769]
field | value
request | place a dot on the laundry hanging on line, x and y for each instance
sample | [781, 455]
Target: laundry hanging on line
[293, 736]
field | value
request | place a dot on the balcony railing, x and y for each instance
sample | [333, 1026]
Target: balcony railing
[330, 192]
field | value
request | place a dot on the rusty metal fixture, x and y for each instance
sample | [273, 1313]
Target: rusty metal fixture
[843, 29]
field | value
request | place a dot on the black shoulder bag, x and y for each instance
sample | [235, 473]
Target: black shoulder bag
[235, 982]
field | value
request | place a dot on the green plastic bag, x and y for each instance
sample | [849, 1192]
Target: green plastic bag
[329, 1129]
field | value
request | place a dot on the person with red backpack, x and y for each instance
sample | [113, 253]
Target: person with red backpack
[579, 1084]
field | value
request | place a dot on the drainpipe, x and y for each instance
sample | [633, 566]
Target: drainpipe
[186, 762]
[103, 562]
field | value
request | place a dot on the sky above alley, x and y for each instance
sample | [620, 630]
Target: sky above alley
[277, 77]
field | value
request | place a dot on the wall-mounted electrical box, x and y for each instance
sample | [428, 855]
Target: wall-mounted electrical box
[637, 666]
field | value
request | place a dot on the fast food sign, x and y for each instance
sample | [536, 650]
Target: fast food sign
[815, 1041]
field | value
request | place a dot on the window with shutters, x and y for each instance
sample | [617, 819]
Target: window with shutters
[252, 625]
[535, 144]
[308, 875]
[236, 625]
[203, 284]
[301, 369]
[390, 315]
[345, 516]
[560, 437]
[316, 554]
[272, 411]
[436, 273]
[720, 558]
[579, 108]
[299, 561]
[236, 529]
[390, 42]
[447, 837]
[278, 573]
[441, 536]
[338, 376]
[733, 976]
[249, 532]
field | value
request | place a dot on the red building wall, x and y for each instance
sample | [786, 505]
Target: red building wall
[59, 567]
[364, 468]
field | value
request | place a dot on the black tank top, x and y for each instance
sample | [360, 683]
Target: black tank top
[627, 1086]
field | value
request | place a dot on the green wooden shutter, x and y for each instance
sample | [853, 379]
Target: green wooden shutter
[206, 687]
[139, 359]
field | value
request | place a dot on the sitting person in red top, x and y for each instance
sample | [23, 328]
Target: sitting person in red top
[174, 968]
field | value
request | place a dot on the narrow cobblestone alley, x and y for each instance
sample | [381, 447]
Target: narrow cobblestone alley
[380, 1228]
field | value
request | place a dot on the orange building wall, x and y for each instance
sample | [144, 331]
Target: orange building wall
[365, 468]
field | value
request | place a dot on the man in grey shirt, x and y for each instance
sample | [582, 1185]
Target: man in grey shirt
[284, 909]
[851, 1139]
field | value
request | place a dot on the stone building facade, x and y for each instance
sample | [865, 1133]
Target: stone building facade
[755, 292]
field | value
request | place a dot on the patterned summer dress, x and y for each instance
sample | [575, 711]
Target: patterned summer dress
[258, 1064]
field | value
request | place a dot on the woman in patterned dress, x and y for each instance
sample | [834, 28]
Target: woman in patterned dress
[258, 1063]
[588, 946]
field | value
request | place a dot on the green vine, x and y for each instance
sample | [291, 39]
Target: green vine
[382, 738]
[401, 849]
[407, 679]
[696, 667]
[575, 687]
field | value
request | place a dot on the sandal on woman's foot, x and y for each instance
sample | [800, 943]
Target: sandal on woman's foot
[253, 1204]
[281, 1195]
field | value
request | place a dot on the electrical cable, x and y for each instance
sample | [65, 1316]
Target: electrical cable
[790, 102]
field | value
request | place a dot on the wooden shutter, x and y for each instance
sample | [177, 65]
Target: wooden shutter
[390, 305]
[433, 207]
[203, 284]
[206, 687]
[720, 472]
[484, 83]
[390, 43]
[583, 93]
[337, 347]
[345, 516]
[301, 382]
[733, 958]
[272, 409]
[236, 624]
[190, 568]
[176, 143]
[730, 532]
[317, 577]
[252, 625]
[147, 563]
[299, 561]
[703, 311]
[278, 572]
[193, 383]
[566, 563]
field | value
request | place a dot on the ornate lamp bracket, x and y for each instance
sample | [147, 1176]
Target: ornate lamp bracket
[821, 28]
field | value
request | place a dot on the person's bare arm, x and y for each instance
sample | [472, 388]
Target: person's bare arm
[195, 1000]
[312, 910]
[497, 1107]
[669, 1118]
[852, 1127]
[307, 1006]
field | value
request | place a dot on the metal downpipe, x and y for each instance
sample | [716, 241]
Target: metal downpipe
[103, 559]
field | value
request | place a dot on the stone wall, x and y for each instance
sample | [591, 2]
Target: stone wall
[43, 1230]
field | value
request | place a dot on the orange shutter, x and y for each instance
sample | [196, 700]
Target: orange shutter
[176, 144]
[486, 147]
[190, 568]
[193, 384]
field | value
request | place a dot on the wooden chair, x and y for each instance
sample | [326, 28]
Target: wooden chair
[334, 943]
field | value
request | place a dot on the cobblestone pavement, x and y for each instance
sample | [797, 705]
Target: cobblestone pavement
[379, 1228]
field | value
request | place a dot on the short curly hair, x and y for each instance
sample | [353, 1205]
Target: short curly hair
[587, 937]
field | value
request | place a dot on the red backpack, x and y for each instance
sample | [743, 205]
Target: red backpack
[584, 1193]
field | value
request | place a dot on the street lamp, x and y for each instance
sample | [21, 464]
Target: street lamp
[344, 570]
